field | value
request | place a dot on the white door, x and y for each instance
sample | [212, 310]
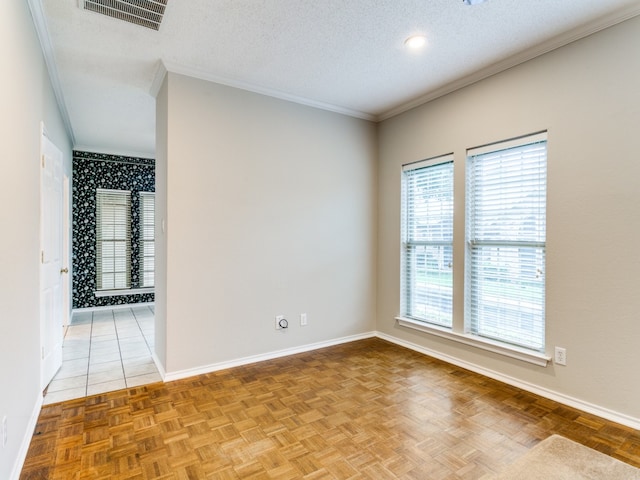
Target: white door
[51, 255]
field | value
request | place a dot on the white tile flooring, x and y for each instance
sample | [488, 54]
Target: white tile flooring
[103, 351]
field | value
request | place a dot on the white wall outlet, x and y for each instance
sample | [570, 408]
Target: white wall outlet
[561, 356]
[5, 434]
[303, 319]
[279, 318]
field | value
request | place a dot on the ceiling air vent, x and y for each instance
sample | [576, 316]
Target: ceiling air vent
[146, 13]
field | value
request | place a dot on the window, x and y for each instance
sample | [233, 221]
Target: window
[506, 234]
[117, 247]
[113, 235]
[427, 241]
[147, 239]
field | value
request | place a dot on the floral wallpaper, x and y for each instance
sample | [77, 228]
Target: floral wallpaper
[90, 172]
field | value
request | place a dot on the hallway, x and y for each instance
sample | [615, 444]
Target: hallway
[103, 351]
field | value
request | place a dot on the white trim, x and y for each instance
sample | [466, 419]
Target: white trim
[526, 386]
[529, 387]
[26, 440]
[180, 374]
[511, 351]
[122, 292]
[111, 151]
[506, 144]
[40, 22]
[561, 40]
[113, 307]
[112, 190]
[230, 82]
[514, 60]
[158, 79]
[581, 405]
[429, 162]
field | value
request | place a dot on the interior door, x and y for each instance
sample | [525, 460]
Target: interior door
[51, 256]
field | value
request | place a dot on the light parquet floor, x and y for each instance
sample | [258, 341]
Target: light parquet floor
[363, 410]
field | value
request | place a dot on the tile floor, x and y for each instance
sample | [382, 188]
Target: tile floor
[103, 351]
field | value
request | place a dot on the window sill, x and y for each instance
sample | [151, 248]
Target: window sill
[122, 292]
[528, 356]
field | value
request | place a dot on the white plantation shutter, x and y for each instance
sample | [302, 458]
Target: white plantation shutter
[147, 239]
[113, 239]
[427, 243]
[506, 235]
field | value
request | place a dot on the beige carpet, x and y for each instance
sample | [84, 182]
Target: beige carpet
[558, 458]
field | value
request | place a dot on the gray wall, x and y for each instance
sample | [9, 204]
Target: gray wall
[27, 99]
[270, 209]
[587, 96]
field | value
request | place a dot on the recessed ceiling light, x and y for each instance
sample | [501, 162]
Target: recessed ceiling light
[473, 2]
[416, 41]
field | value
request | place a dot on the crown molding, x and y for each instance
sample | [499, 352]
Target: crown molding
[230, 82]
[514, 60]
[111, 151]
[158, 78]
[40, 22]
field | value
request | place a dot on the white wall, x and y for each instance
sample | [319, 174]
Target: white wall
[27, 99]
[271, 209]
[587, 95]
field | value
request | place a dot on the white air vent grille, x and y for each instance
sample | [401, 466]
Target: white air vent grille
[146, 13]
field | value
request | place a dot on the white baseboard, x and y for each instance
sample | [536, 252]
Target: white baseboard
[177, 375]
[112, 307]
[582, 405]
[26, 440]
[529, 387]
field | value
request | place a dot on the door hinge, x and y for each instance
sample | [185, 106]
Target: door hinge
[42, 156]
[42, 353]
[41, 256]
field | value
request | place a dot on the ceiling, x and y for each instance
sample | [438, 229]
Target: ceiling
[346, 56]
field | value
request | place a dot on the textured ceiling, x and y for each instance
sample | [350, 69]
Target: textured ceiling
[342, 55]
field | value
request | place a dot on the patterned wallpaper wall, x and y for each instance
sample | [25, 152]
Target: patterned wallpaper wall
[90, 172]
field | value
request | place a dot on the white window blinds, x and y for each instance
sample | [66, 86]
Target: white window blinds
[427, 243]
[147, 239]
[113, 239]
[506, 235]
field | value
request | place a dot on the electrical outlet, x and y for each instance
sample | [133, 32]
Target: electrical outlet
[5, 434]
[279, 318]
[561, 356]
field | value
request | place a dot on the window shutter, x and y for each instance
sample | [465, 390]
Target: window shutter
[113, 235]
[506, 235]
[147, 239]
[427, 256]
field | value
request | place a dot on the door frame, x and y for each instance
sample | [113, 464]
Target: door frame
[66, 248]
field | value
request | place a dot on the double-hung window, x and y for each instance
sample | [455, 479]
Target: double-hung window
[113, 242]
[427, 241]
[147, 239]
[505, 244]
[117, 247]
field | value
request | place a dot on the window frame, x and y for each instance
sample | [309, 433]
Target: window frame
[505, 240]
[459, 332]
[121, 198]
[436, 308]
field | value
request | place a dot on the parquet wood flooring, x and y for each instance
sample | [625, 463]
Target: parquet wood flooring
[363, 410]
